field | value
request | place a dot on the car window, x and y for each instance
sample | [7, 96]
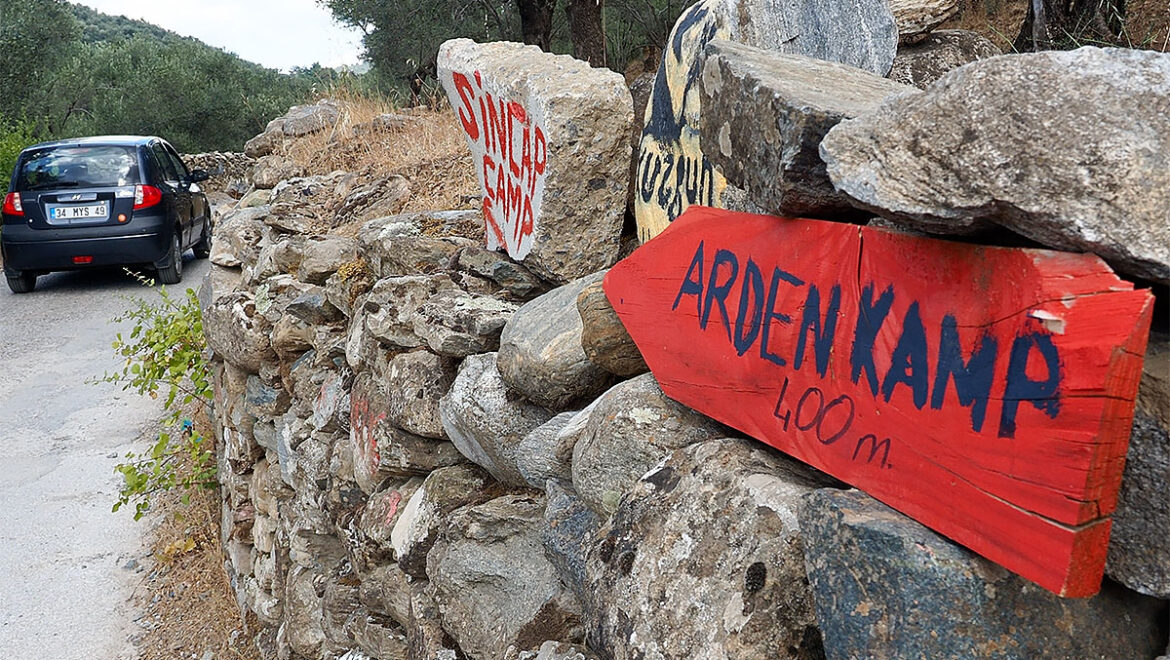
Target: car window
[180, 167]
[164, 162]
[78, 167]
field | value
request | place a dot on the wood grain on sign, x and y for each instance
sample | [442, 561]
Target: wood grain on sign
[986, 392]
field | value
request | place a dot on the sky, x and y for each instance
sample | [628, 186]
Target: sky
[279, 34]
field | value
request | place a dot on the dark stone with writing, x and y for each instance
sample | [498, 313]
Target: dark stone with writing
[485, 420]
[628, 430]
[874, 572]
[674, 171]
[942, 51]
[603, 337]
[541, 354]
[1139, 545]
[764, 115]
[492, 584]
[1086, 175]
[703, 559]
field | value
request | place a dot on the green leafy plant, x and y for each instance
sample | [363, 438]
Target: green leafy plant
[165, 357]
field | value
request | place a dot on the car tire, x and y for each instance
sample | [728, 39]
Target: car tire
[202, 249]
[21, 281]
[172, 272]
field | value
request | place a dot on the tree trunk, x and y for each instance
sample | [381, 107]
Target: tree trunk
[587, 29]
[536, 21]
[1070, 24]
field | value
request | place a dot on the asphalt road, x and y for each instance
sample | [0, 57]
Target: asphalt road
[65, 590]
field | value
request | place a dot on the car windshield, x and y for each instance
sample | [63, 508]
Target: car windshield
[78, 166]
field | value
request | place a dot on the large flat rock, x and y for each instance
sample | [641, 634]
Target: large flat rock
[548, 135]
[1070, 149]
[764, 115]
[887, 587]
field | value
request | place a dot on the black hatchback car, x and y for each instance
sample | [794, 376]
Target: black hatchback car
[102, 201]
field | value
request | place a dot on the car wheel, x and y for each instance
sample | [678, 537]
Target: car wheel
[22, 281]
[172, 272]
[202, 249]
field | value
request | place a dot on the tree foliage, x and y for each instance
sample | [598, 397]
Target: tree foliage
[402, 38]
[67, 70]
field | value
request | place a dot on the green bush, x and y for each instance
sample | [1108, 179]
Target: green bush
[14, 136]
[165, 356]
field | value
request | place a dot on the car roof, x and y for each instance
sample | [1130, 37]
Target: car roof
[99, 140]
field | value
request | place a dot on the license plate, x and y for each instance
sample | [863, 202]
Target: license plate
[78, 212]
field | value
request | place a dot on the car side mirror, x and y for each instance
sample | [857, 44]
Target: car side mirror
[199, 175]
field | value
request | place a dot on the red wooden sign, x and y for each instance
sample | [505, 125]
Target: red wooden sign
[986, 392]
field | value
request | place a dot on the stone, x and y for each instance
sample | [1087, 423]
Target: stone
[513, 277]
[382, 511]
[425, 633]
[704, 558]
[263, 400]
[313, 307]
[939, 53]
[540, 350]
[1139, 545]
[918, 18]
[376, 199]
[570, 530]
[443, 491]
[393, 302]
[1091, 175]
[236, 238]
[237, 332]
[572, 121]
[413, 243]
[492, 584]
[546, 452]
[383, 451]
[291, 337]
[554, 650]
[673, 170]
[302, 612]
[375, 635]
[271, 170]
[416, 381]
[764, 116]
[386, 590]
[872, 570]
[630, 429]
[456, 323]
[339, 602]
[266, 143]
[254, 199]
[322, 258]
[305, 119]
[330, 405]
[485, 420]
[603, 337]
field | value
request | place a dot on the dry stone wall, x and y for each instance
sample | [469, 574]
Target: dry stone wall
[431, 450]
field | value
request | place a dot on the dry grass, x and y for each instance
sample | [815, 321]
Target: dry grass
[1147, 23]
[428, 148]
[188, 605]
